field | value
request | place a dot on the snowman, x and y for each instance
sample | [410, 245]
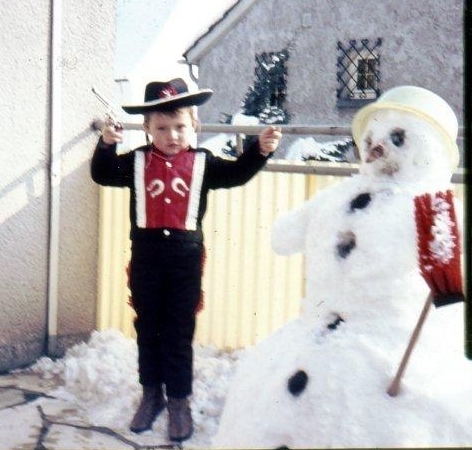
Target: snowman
[321, 381]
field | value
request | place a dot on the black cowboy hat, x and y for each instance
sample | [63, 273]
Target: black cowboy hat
[164, 95]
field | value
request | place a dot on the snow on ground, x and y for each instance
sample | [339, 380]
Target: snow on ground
[101, 378]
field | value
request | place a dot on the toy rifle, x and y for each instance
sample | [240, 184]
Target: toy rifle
[439, 260]
[112, 113]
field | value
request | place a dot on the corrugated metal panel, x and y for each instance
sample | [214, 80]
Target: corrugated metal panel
[249, 291]
[114, 254]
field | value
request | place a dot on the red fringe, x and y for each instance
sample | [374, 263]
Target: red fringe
[201, 300]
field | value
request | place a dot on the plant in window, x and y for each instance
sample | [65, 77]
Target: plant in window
[265, 99]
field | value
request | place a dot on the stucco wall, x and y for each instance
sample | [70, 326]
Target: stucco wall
[422, 45]
[85, 59]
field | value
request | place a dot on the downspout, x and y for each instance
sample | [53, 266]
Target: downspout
[191, 69]
[54, 176]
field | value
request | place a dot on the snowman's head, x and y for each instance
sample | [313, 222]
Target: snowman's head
[409, 132]
[403, 147]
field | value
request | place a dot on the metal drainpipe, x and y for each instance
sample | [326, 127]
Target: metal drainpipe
[191, 68]
[54, 176]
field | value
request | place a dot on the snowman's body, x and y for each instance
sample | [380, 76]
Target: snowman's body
[359, 241]
[321, 380]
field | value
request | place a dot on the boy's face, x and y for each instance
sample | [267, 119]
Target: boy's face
[171, 133]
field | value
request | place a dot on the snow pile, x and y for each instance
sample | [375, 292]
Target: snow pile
[242, 119]
[273, 115]
[224, 144]
[101, 377]
[344, 403]
[307, 148]
[213, 370]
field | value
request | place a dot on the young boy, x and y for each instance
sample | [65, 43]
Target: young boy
[169, 182]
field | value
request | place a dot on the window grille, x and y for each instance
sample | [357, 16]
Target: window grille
[266, 98]
[358, 72]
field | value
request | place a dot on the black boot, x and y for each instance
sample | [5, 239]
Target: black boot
[152, 404]
[180, 419]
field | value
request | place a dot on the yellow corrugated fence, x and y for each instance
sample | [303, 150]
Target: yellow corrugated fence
[249, 290]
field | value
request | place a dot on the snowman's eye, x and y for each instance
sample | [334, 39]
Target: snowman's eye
[398, 137]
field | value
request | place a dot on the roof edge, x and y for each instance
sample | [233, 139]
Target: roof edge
[217, 31]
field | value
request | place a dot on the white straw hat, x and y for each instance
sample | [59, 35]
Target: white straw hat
[420, 102]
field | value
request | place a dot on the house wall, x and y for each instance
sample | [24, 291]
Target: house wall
[85, 58]
[422, 45]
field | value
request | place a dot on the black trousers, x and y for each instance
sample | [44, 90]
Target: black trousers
[165, 282]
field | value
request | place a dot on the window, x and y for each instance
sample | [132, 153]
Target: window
[358, 73]
[366, 69]
[265, 99]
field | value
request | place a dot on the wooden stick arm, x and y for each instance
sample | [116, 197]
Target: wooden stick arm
[394, 388]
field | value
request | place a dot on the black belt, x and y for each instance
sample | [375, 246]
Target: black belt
[171, 234]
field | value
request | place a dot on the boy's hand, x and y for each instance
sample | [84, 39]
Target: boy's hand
[269, 139]
[110, 133]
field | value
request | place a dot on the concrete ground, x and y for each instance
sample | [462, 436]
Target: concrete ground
[31, 418]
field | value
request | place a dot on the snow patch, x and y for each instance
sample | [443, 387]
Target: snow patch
[101, 378]
[307, 148]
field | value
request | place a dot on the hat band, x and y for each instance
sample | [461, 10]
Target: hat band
[168, 91]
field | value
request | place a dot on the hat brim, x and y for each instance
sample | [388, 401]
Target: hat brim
[176, 101]
[361, 118]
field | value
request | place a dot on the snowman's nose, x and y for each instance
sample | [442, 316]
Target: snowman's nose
[375, 152]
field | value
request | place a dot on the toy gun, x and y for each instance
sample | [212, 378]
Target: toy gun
[112, 113]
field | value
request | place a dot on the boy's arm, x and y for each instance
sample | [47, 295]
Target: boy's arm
[225, 173]
[109, 169]
[289, 230]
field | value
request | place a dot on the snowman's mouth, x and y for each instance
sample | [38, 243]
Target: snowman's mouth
[375, 153]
